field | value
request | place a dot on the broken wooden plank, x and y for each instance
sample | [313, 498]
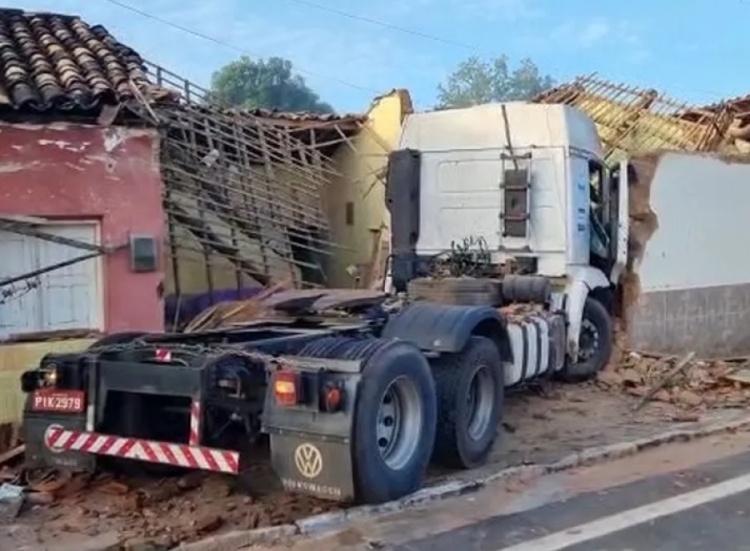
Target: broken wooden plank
[12, 454]
[678, 368]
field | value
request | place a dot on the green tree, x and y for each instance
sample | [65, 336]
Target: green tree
[476, 81]
[268, 84]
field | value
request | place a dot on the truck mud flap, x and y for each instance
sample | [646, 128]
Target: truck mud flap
[40, 455]
[313, 465]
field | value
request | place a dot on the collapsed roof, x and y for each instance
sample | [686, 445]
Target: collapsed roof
[633, 119]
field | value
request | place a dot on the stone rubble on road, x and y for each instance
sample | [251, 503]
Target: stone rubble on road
[699, 386]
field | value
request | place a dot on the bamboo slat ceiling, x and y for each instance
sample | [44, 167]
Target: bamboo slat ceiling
[246, 187]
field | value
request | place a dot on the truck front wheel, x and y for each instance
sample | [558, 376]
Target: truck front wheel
[595, 343]
[470, 389]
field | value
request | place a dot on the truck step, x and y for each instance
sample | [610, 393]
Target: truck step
[538, 344]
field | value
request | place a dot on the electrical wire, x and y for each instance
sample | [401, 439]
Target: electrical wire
[429, 36]
[385, 24]
[220, 42]
[341, 13]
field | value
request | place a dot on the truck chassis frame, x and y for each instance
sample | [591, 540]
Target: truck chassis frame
[197, 400]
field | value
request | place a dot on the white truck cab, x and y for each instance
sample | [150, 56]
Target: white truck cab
[529, 179]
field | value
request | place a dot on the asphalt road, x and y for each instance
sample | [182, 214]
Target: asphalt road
[703, 508]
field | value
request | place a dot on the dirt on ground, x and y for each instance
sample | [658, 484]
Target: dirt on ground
[541, 425]
[691, 386]
[635, 397]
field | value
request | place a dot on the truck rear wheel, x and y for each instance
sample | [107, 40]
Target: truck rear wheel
[394, 417]
[595, 343]
[470, 389]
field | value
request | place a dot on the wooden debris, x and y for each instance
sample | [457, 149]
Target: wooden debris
[50, 481]
[681, 365]
[115, 488]
[234, 311]
[695, 386]
[741, 375]
[10, 455]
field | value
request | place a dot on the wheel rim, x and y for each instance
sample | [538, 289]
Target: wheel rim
[480, 401]
[399, 422]
[588, 342]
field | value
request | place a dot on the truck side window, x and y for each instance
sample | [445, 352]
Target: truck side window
[598, 194]
[596, 182]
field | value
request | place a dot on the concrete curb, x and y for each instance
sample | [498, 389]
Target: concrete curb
[231, 541]
[329, 521]
[317, 524]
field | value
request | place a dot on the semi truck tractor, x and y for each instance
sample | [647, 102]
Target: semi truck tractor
[358, 391]
[530, 182]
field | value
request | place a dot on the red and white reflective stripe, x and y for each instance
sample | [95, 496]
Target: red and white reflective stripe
[195, 423]
[59, 440]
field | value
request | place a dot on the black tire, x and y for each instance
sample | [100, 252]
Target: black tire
[459, 291]
[117, 338]
[587, 366]
[386, 362]
[376, 481]
[455, 445]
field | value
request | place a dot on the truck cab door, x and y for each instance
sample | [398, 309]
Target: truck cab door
[619, 216]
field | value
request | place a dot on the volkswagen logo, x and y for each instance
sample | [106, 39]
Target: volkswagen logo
[309, 460]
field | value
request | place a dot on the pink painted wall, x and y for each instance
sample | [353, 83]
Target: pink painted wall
[105, 173]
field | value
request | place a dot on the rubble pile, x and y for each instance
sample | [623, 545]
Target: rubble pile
[686, 383]
[178, 509]
[161, 511]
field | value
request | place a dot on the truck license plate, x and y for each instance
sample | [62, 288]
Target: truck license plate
[65, 401]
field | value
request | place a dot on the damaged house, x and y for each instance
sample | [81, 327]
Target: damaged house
[124, 189]
[80, 193]
[684, 161]
[245, 193]
[176, 195]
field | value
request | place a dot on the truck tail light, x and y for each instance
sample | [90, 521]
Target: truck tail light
[332, 397]
[286, 388]
[51, 376]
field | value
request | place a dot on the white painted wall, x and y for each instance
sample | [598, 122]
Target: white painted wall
[702, 205]
[67, 298]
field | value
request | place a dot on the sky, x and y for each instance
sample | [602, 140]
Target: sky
[352, 50]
